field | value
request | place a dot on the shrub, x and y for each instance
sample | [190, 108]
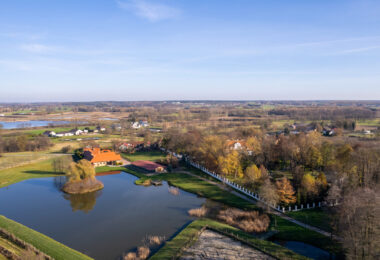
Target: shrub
[66, 149]
[248, 221]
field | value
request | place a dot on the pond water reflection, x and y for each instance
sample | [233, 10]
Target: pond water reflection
[102, 224]
[31, 123]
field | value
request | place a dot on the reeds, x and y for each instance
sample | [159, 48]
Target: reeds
[248, 221]
[153, 240]
[198, 212]
[143, 252]
[130, 256]
[174, 191]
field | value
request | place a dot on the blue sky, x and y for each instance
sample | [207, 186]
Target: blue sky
[70, 50]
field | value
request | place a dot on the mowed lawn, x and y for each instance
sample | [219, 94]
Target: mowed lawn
[145, 156]
[34, 170]
[44, 243]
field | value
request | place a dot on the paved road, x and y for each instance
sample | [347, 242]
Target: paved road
[281, 215]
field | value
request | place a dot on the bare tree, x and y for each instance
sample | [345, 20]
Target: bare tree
[359, 223]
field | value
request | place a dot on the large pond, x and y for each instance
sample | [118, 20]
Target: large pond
[103, 224]
[30, 123]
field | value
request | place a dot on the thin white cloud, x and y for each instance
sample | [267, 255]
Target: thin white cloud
[148, 10]
[357, 50]
[37, 48]
[329, 42]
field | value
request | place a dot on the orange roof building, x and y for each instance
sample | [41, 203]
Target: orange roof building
[99, 157]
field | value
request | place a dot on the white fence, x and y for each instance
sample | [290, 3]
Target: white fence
[243, 190]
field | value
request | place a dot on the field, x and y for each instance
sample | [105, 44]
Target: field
[10, 160]
[144, 156]
[34, 170]
[40, 241]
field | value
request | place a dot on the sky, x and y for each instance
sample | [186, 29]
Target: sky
[94, 50]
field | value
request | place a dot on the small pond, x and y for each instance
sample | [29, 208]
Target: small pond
[102, 224]
[31, 123]
[306, 250]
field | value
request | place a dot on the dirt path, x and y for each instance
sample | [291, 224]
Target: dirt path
[279, 214]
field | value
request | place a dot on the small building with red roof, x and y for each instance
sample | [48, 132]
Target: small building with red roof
[101, 157]
[148, 166]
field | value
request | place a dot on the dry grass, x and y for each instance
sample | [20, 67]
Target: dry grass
[248, 221]
[143, 252]
[147, 182]
[153, 240]
[130, 256]
[198, 212]
[174, 191]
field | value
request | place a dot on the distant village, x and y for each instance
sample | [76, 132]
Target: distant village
[98, 129]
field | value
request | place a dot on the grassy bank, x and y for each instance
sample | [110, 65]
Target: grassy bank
[44, 243]
[289, 231]
[190, 233]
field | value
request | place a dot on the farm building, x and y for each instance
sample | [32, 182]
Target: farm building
[99, 157]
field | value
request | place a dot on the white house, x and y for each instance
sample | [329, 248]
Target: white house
[136, 125]
[367, 132]
[76, 132]
[144, 123]
[61, 134]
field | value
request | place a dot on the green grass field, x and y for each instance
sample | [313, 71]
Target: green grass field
[40, 241]
[314, 217]
[10, 160]
[29, 171]
[144, 156]
[190, 233]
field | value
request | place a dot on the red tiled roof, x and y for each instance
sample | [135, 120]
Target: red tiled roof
[147, 165]
[99, 155]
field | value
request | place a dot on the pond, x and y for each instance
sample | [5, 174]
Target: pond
[31, 123]
[101, 224]
[306, 249]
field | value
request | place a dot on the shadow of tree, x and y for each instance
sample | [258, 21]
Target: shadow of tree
[39, 172]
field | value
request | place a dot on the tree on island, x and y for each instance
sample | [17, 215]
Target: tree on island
[81, 178]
